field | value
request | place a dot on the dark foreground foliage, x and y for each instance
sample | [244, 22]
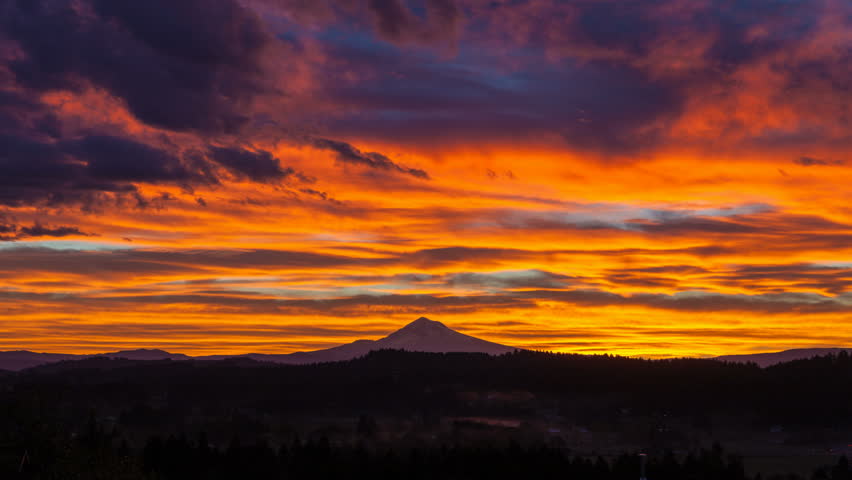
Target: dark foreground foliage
[806, 392]
[97, 455]
[413, 415]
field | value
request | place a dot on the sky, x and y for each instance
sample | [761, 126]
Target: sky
[658, 178]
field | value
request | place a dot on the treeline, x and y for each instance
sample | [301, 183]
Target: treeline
[811, 392]
[100, 455]
[176, 458]
[114, 419]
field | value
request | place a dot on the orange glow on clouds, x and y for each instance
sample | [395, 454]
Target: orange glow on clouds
[240, 273]
[300, 179]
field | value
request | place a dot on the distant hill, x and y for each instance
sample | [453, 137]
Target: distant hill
[421, 335]
[773, 358]
[23, 359]
[145, 354]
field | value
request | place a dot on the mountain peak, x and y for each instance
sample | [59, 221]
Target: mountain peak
[144, 354]
[424, 323]
[424, 335]
[421, 335]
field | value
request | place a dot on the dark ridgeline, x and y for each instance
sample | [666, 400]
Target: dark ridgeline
[774, 358]
[421, 335]
[394, 414]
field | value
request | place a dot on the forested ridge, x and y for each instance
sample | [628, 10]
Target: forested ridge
[418, 415]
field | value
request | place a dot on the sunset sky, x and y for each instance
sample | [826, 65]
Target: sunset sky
[656, 178]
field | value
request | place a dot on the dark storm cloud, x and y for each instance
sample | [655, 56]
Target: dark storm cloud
[392, 17]
[321, 195]
[87, 170]
[189, 65]
[445, 13]
[38, 230]
[347, 153]
[95, 169]
[596, 107]
[396, 22]
[11, 231]
[258, 166]
[616, 109]
[611, 29]
[36, 172]
[21, 115]
[604, 77]
[120, 159]
[609, 77]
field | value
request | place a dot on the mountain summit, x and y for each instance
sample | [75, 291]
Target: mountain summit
[419, 331]
[423, 323]
[421, 335]
[424, 335]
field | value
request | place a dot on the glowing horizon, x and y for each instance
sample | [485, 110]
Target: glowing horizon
[269, 177]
